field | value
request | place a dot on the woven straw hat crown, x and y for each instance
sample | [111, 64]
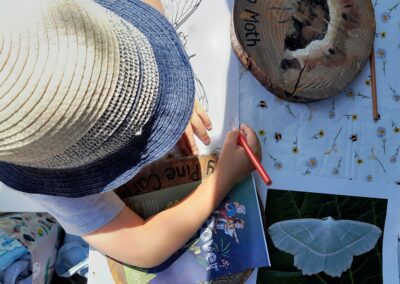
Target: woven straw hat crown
[76, 82]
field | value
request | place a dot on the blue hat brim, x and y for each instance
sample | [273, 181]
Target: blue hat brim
[171, 115]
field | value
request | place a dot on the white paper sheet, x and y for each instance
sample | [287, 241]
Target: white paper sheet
[99, 272]
[206, 37]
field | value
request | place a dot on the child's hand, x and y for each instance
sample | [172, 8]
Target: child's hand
[199, 124]
[234, 164]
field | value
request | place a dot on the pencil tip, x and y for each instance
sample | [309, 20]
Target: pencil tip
[377, 117]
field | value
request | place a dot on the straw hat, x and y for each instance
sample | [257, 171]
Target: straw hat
[89, 93]
[304, 51]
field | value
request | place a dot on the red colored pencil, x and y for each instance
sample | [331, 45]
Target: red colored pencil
[260, 169]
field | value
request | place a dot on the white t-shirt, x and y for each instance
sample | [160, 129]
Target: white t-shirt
[82, 215]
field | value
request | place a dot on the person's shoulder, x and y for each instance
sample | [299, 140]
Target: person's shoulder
[81, 215]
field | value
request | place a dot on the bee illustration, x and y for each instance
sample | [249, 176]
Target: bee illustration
[278, 137]
[353, 137]
[263, 104]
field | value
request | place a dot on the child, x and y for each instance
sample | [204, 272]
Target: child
[89, 94]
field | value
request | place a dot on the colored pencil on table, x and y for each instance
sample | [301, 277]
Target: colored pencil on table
[373, 86]
[260, 169]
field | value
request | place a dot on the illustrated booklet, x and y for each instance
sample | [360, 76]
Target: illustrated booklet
[232, 239]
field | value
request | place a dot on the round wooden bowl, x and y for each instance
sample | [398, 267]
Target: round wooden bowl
[303, 51]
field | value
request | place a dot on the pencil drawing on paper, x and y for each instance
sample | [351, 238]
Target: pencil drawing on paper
[178, 12]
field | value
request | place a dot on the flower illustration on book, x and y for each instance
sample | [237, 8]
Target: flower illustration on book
[381, 35]
[389, 11]
[289, 110]
[350, 94]
[332, 112]
[393, 158]
[261, 132]
[381, 133]
[295, 148]
[368, 81]
[277, 164]
[396, 96]
[353, 117]
[385, 17]
[359, 160]
[381, 54]
[317, 249]
[333, 148]
[396, 128]
[311, 163]
[373, 156]
[336, 170]
[320, 134]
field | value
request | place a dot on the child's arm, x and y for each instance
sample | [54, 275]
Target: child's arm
[147, 243]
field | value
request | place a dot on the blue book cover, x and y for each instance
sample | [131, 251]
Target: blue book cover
[232, 240]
